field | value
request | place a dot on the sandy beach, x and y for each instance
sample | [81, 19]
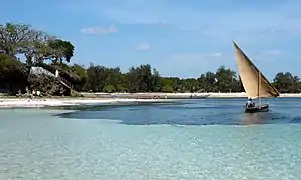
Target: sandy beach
[176, 95]
[12, 102]
[42, 102]
[243, 95]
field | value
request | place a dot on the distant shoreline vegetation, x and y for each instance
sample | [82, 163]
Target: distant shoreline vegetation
[50, 53]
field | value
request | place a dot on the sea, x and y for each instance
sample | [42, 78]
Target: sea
[180, 140]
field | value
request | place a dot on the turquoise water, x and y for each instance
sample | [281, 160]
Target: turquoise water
[196, 139]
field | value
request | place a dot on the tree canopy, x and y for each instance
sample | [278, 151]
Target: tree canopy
[62, 49]
[34, 44]
[13, 74]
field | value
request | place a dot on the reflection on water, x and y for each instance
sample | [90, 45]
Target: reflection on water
[255, 118]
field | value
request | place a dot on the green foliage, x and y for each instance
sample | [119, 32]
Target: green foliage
[8, 64]
[207, 82]
[226, 80]
[35, 45]
[287, 83]
[13, 37]
[62, 49]
[99, 77]
[23, 39]
[82, 75]
[143, 79]
[13, 74]
[174, 83]
[79, 70]
[167, 88]
[109, 89]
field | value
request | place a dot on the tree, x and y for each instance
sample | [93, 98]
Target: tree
[35, 49]
[167, 88]
[157, 86]
[191, 85]
[81, 72]
[61, 50]
[226, 79]
[174, 82]
[13, 74]
[100, 78]
[287, 83]
[240, 86]
[141, 79]
[109, 89]
[111, 78]
[24, 39]
[13, 36]
[207, 81]
[36, 45]
[92, 80]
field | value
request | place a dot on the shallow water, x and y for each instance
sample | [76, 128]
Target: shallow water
[191, 139]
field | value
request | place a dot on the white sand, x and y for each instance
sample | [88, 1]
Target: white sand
[64, 102]
[242, 94]
[215, 95]
[15, 102]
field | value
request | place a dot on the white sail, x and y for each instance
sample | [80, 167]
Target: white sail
[255, 83]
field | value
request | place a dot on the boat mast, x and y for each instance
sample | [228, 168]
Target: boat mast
[259, 84]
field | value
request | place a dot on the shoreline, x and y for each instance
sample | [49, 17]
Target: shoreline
[177, 95]
[13, 102]
[61, 102]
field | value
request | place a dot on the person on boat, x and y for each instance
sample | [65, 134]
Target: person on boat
[250, 103]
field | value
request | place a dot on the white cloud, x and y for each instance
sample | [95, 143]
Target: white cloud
[99, 30]
[143, 47]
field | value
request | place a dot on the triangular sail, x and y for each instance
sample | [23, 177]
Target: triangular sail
[255, 83]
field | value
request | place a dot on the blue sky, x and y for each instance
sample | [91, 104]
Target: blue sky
[178, 37]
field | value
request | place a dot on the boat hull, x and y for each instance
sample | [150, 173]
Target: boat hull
[255, 109]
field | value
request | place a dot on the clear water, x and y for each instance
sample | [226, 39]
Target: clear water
[197, 139]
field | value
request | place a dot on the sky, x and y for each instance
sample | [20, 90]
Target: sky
[182, 38]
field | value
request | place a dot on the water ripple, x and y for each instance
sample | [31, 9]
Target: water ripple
[186, 143]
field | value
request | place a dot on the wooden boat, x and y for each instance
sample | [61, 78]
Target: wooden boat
[199, 96]
[254, 82]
